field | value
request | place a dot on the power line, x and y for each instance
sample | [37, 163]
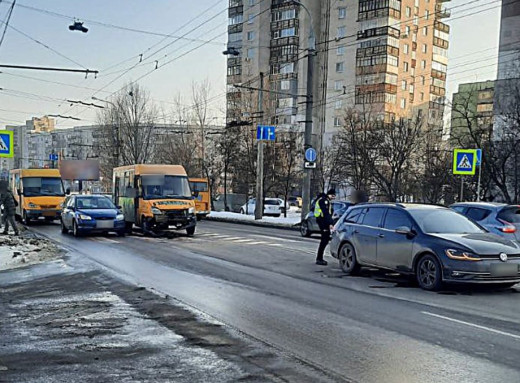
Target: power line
[9, 14]
[86, 71]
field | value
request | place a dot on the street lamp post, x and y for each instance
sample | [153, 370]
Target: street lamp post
[118, 130]
[311, 53]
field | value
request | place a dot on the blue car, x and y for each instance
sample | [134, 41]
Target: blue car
[497, 218]
[83, 214]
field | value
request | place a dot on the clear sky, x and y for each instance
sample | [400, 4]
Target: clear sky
[473, 50]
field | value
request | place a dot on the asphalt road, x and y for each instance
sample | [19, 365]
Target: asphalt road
[374, 328]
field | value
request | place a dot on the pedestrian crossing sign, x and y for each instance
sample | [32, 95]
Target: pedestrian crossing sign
[6, 144]
[465, 161]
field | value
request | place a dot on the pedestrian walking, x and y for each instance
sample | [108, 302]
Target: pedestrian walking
[323, 213]
[9, 204]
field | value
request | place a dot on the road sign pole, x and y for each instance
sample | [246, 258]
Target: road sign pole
[259, 204]
[461, 189]
[478, 184]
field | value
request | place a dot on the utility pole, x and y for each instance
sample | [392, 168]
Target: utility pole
[259, 205]
[307, 173]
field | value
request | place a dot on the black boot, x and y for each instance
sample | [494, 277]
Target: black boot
[321, 262]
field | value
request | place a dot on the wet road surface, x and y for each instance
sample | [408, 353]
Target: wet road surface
[373, 328]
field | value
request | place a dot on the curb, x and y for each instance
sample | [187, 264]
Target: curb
[295, 227]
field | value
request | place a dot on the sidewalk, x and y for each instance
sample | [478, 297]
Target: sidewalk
[292, 222]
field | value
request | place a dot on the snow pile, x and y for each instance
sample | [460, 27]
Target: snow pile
[293, 218]
[25, 250]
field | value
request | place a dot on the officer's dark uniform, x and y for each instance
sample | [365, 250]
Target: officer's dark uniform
[323, 214]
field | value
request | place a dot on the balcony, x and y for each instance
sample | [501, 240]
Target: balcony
[284, 24]
[439, 75]
[281, 3]
[238, 10]
[440, 43]
[438, 91]
[376, 88]
[440, 26]
[283, 41]
[361, 70]
[375, 51]
[236, 28]
[442, 13]
[381, 31]
[234, 79]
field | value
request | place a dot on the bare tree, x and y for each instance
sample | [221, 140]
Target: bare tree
[128, 125]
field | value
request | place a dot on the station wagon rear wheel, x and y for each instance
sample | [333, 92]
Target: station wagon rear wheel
[348, 260]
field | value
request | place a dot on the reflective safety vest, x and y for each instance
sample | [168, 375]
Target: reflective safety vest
[317, 209]
[318, 213]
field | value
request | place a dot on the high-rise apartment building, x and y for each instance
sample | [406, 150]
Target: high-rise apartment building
[388, 57]
[508, 77]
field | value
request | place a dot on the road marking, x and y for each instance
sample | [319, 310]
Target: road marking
[275, 245]
[100, 239]
[209, 234]
[258, 243]
[243, 241]
[230, 238]
[472, 325]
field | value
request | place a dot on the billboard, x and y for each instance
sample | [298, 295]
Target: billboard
[87, 170]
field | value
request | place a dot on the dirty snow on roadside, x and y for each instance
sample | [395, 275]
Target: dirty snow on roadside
[292, 219]
[25, 250]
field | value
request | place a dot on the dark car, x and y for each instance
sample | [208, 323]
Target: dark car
[84, 214]
[498, 218]
[433, 243]
[309, 225]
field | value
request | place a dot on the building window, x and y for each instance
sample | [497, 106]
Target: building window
[237, 19]
[423, 80]
[250, 19]
[340, 50]
[425, 31]
[423, 64]
[342, 12]
[342, 32]
[337, 121]
[415, 20]
[284, 15]
[250, 36]
[407, 30]
[406, 49]
[403, 103]
[287, 32]
[412, 89]
[338, 105]
[285, 85]
[340, 67]
[403, 85]
[405, 66]
[422, 96]
[287, 68]
[338, 85]
[408, 12]
[427, 15]
[425, 48]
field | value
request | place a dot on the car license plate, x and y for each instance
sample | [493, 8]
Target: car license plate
[105, 224]
[504, 270]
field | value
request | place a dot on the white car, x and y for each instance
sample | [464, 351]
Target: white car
[272, 207]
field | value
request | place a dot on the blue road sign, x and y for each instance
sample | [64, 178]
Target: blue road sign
[53, 157]
[479, 157]
[266, 133]
[6, 143]
[311, 155]
[464, 161]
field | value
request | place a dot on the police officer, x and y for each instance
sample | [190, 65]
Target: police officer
[323, 214]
